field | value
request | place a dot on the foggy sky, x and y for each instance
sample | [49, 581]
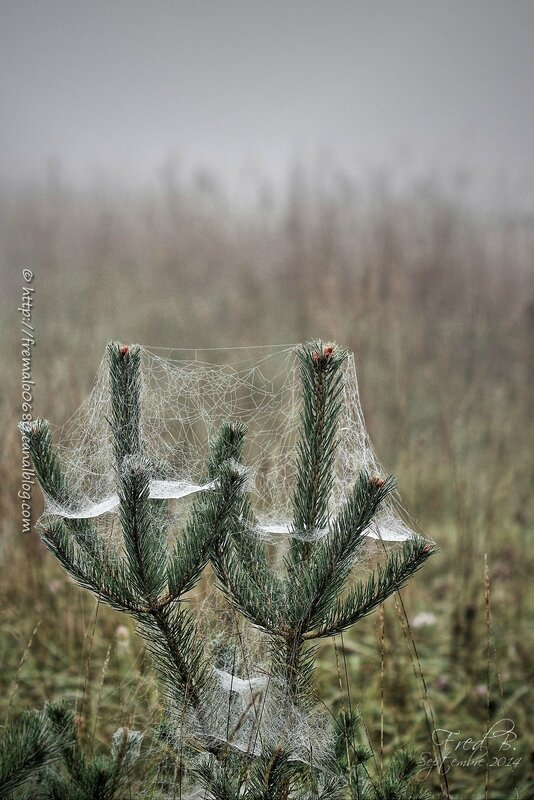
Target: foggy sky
[123, 85]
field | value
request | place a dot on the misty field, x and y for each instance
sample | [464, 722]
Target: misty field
[437, 303]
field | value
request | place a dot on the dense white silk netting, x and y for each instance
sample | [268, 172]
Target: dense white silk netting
[185, 398]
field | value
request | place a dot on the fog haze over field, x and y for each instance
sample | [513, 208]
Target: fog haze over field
[246, 88]
[214, 177]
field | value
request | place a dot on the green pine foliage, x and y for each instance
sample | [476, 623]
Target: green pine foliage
[28, 745]
[309, 599]
[41, 755]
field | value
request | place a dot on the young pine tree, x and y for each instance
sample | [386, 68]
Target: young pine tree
[268, 749]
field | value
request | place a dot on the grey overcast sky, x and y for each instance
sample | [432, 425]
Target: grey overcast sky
[122, 85]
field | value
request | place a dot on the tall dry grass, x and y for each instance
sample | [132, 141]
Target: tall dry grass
[437, 302]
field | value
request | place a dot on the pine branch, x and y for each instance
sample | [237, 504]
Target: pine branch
[399, 780]
[270, 776]
[227, 448]
[219, 780]
[213, 519]
[226, 467]
[328, 789]
[366, 596]
[55, 486]
[108, 580]
[28, 745]
[295, 664]
[238, 558]
[322, 384]
[258, 599]
[38, 439]
[125, 393]
[187, 561]
[78, 776]
[315, 588]
[178, 655]
[241, 566]
[62, 719]
[332, 559]
[170, 633]
[145, 542]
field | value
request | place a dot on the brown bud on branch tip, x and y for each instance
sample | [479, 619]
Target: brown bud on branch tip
[377, 482]
[328, 350]
[124, 349]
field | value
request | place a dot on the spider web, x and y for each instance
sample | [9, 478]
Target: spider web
[185, 398]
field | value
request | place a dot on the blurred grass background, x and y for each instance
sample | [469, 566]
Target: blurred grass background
[437, 302]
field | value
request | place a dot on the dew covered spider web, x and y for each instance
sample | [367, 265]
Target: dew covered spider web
[186, 396]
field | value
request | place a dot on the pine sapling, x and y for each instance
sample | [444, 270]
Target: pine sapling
[291, 601]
